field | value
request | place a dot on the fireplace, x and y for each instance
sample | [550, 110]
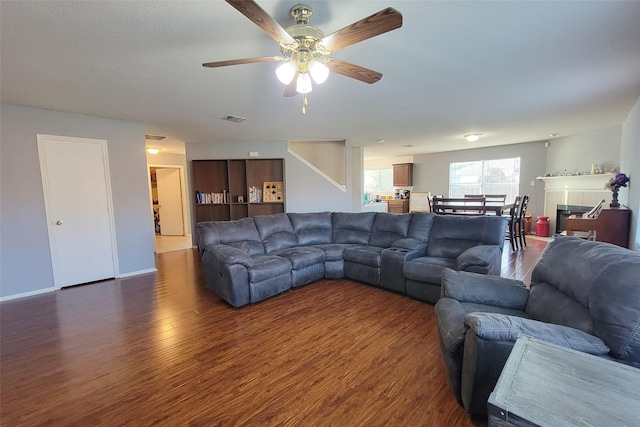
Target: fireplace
[572, 193]
[564, 211]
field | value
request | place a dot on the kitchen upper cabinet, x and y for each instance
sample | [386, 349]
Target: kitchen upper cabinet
[403, 175]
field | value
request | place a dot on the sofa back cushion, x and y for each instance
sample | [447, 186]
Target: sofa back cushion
[276, 232]
[421, 224]
[350, 227]
[241, 234]
[575, 279]
[387, 228]
[312, 228]
[451, 234]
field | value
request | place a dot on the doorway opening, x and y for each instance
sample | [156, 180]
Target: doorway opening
[169, 208]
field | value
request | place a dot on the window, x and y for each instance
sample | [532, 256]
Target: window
[500, 176]
[378, 181]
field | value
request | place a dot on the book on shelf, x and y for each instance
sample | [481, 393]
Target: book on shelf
[255, 194]
[203, 198]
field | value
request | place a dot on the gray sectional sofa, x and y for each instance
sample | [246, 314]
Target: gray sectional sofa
[248, 260]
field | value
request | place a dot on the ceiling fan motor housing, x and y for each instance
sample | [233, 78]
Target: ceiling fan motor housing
[306, 36]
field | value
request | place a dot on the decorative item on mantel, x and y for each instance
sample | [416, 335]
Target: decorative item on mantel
[614, 184]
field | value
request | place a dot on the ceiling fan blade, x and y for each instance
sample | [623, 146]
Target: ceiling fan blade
[242, 61]
[290, 89]
[251, 10]
[351, 70]
[371, 26]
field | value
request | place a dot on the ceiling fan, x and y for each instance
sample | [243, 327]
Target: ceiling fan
[305, 48]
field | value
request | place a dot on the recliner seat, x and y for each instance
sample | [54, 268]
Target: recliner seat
[583, 295]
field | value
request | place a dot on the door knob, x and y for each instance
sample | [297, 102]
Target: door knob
[58, 222]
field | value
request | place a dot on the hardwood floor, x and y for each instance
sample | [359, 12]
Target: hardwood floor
[162, 349]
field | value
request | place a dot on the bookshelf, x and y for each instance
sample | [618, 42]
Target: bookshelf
[228, 189]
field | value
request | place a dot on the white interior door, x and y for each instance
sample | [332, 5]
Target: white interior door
[170, 202]
[78, 205]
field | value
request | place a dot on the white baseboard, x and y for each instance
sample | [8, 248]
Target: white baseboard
[136, 273]
[51, 289]
[27, 294]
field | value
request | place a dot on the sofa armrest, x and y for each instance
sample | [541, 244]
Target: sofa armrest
[502, 327]
[228, 255]
[479, 259]
[482, 289]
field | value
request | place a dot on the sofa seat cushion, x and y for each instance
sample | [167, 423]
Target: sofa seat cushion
[334, 251]
[365, 255]
[268, 266]
[427, 269]
[302, 256]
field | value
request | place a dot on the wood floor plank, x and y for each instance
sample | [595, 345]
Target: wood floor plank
[161, 349]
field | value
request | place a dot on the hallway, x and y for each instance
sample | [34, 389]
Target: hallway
[172, 243]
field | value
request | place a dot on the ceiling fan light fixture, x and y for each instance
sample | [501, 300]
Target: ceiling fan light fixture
[303, 84]
[286, 72]
[319, 72]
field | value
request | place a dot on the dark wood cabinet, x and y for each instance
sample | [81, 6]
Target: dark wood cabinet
[403, 175]
[223, 189]
[398, 206]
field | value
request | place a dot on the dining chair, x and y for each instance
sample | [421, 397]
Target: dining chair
[511, 226]
[522, 211]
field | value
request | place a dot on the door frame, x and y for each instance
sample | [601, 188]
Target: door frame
[186, 219]
[45, 186]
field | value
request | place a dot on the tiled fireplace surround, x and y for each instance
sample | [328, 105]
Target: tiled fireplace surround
[574, 190]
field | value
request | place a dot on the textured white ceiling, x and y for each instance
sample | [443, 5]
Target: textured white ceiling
[515, 71]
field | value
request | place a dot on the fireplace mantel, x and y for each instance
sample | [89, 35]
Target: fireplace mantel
[593, 182]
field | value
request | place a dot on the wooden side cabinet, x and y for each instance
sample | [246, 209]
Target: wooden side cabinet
[403, 175]
[398, 206]
[234, 188]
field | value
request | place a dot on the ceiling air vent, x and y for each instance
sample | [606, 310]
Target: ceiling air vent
[234, 119]
[155, 137]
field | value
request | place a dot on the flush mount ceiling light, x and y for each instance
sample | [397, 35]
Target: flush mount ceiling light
[472, 137]
[153, 150]
[305, 48]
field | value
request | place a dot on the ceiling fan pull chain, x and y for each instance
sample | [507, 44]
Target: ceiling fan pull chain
[305, 102]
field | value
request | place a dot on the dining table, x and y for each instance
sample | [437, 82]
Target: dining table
[469, 206]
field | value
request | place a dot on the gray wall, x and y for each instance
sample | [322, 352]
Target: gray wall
[577, 153]
[630, 164]
[431, 171]
[25, 258]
